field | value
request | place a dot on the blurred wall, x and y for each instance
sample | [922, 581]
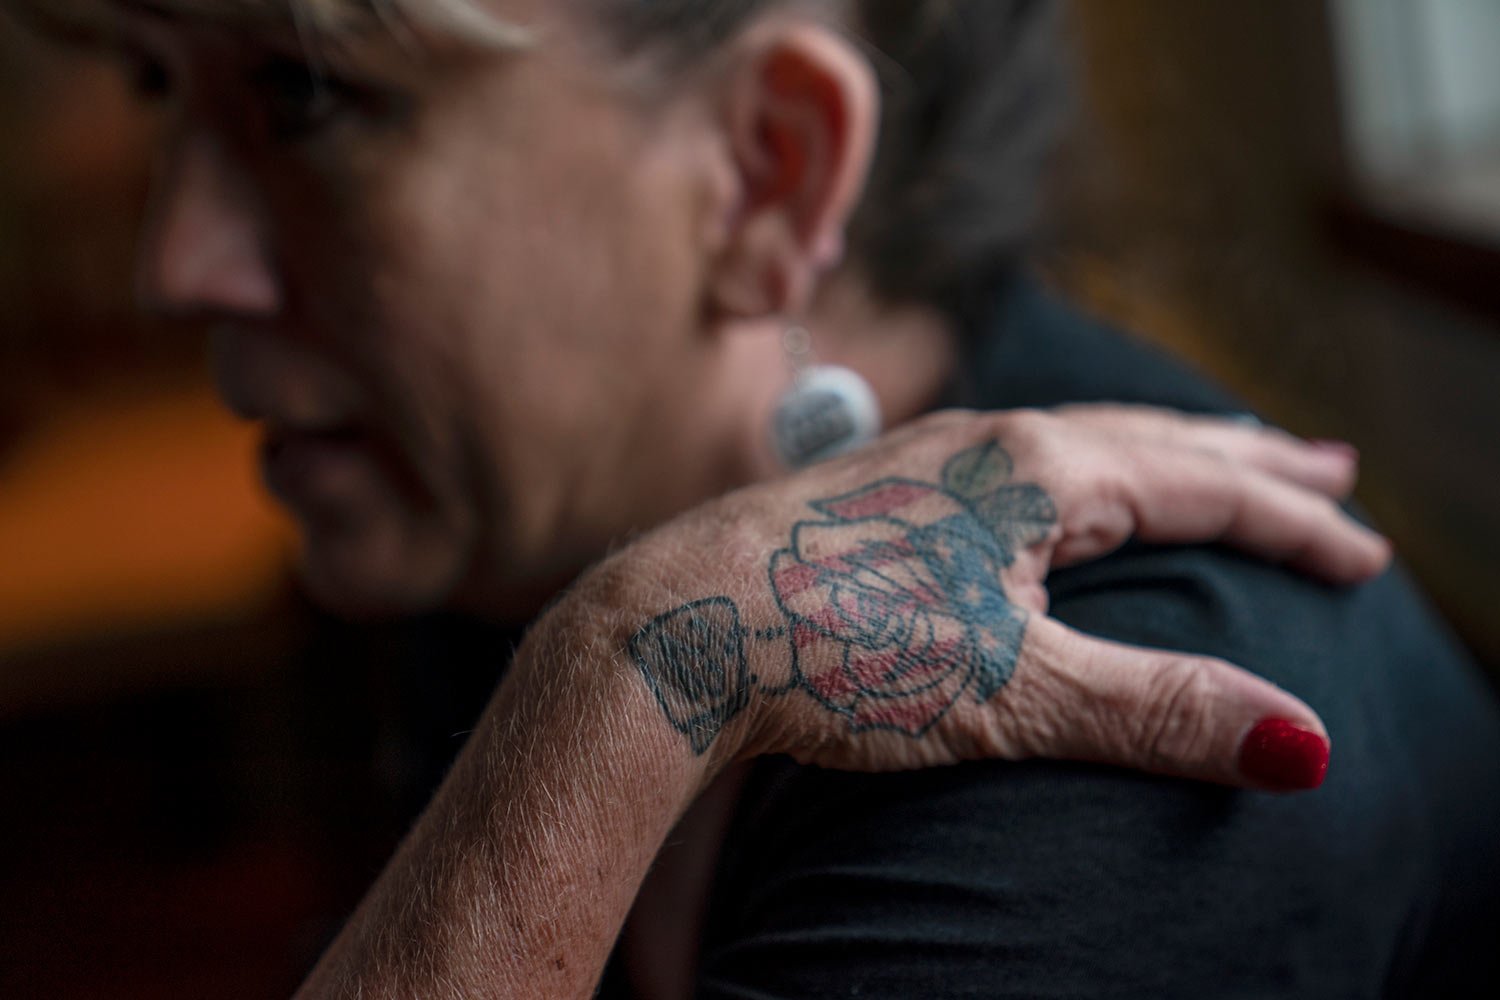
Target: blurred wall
[73, 171]
[1211, 146]
[201, 779]
[128, 500]
[1209, 154]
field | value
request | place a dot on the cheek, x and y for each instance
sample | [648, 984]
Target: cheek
[517, 320]
[397, 529]
[553, 298]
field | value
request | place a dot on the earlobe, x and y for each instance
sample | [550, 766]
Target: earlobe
[800, 119]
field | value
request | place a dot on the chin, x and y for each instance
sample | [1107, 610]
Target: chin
[363, 576]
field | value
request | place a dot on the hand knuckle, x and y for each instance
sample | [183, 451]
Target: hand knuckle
[1029, 432]
[948, 420]
[1175, 722]
[1028, 420]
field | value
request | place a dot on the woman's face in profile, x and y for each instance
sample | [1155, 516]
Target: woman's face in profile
[459, 288]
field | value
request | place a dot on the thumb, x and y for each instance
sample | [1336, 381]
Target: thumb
[1081, 698]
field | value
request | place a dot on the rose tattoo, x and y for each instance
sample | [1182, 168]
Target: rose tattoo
[891, 600]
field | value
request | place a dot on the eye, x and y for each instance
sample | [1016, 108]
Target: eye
[300, 101]
[148, 79]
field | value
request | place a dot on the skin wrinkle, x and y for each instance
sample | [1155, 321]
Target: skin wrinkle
[579, 769]
[558, 834]
[700, 659]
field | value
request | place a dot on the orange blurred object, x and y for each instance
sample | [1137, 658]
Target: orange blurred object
[133, 514]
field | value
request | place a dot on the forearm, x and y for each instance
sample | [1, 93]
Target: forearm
[516, 880]
[863, 620]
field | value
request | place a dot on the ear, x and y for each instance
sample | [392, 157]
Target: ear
[800, 114]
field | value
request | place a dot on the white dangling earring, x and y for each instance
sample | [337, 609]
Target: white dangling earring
[827, 411]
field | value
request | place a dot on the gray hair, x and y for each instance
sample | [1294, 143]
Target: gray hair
[974, 98]
[324, 18]
[974, 94]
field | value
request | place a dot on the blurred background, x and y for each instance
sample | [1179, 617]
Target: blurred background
[201, 774]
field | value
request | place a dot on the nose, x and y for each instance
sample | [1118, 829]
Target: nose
[205, 249]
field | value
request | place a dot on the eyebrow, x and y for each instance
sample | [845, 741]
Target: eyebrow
[97, 24]
[94, 21]
[244, 13]
[458, 19]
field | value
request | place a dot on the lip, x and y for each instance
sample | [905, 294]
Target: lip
[300, 417]
[282, 380]
[314, 470]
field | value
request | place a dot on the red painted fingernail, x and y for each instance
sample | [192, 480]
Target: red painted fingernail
[1284, 757]
[1341, 448]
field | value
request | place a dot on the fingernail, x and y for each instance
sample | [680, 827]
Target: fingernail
[1343, 449]
[1284, 757]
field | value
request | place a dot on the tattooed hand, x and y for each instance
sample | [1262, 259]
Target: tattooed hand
[887, 610]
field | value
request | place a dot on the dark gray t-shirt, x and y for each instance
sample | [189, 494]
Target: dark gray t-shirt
[1051, 879]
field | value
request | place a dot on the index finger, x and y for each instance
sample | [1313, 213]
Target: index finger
[1174, 496]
